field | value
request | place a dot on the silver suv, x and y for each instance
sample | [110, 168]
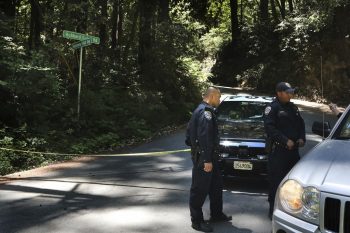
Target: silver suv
[315, 195]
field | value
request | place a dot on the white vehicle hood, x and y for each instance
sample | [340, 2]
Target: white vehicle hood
[326, 167]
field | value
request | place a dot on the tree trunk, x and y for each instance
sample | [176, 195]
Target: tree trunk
[164, 10]
[102, 24]
[114, 18]
[116, 23]
[49, 29]
[119, 35]
[60, 24]
[132, 34]
[274, 11]
[35, 25]
[234, 21]
[9, 8]
[147, 8]
[242, 12]
[117, 28]
[81, 18]
[264, 10]
[215, 20]
[291, 7]
[283, 9]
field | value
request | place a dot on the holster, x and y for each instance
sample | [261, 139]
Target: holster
[195, 153]
[276, 144]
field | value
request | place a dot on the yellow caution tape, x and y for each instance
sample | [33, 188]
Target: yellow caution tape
[154, 153]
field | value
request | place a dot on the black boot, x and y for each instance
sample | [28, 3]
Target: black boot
[220, 218]
[270, 212]
[202, 226]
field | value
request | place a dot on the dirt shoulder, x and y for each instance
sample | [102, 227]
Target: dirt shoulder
[76, 162]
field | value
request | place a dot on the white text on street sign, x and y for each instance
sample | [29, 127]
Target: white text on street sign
[82, 43]
[81, 37]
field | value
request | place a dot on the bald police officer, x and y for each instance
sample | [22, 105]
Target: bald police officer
[285, 130]
[202, 136]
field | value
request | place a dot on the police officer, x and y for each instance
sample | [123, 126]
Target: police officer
[202, 136]
[285, 129]
[336, 111]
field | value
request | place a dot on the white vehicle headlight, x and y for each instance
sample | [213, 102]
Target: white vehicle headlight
[224, 155]
[300, 201]
[311, 203]
[290, 196]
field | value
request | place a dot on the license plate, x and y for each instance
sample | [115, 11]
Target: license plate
[238, 165]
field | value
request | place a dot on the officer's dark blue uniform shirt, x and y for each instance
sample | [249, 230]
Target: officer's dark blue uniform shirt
[202, 131]
[283, 121]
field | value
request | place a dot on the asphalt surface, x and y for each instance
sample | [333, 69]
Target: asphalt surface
[132, 194]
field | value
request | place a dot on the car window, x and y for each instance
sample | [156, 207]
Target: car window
[345, 129]
[241, 110]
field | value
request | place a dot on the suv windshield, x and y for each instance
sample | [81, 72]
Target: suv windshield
[241, 111]
[344, 132]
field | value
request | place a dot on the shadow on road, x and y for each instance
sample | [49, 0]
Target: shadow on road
[247, 185]
[229, 227]
[104, 189]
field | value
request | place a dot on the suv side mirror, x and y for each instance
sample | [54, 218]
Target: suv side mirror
[319, 128]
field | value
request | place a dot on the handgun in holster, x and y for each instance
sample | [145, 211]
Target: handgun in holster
[195, 153]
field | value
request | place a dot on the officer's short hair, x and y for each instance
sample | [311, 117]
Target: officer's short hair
[210, 91]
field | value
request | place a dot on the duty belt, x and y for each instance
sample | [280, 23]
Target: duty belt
[277, 144]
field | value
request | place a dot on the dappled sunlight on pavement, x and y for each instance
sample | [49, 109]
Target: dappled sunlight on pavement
[130, 193]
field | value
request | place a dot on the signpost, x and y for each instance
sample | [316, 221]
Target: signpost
[83, 41]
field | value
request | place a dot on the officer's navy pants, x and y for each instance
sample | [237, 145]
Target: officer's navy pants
[203, 184]
[281, 161]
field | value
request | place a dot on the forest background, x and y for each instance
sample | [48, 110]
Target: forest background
[154, 59]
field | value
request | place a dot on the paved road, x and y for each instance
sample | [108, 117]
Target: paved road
[130, 194]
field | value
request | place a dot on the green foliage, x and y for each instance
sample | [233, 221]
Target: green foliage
[136, 86]
[120, 103]
[19, 139]
[107, 141]
[302, 41]
[214, 40]
[291, 50]
[204, 41]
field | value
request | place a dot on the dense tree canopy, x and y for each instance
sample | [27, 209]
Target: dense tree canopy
[153, 60]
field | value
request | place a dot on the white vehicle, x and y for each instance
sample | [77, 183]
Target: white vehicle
[315, 195]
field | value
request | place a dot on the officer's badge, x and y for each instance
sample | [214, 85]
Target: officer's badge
[282, 113]
[267, 110]
[207, 115]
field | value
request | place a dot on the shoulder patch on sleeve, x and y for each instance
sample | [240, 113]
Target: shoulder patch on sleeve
[267, 110]
[208, 115]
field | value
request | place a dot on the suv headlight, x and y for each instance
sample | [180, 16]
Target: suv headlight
[299, 201]
[290, 196]
[311, 203]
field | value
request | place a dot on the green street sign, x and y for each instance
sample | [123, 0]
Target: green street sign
[83, 43]
[81, 37]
